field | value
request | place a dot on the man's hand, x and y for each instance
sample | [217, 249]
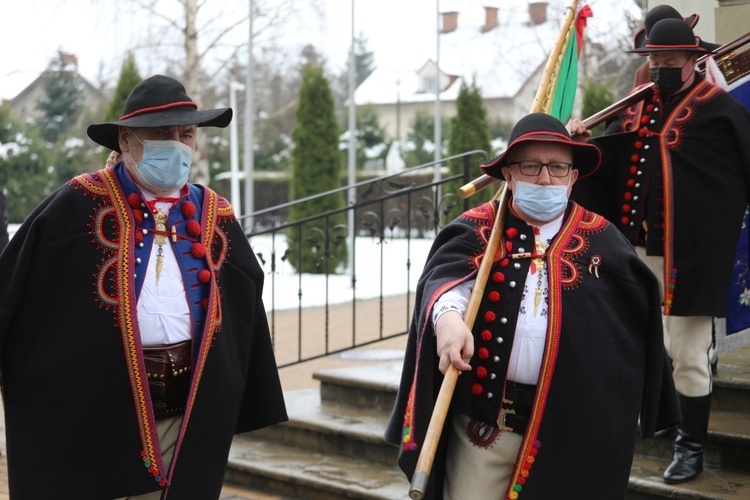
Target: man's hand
[455, 343]
[578, 131]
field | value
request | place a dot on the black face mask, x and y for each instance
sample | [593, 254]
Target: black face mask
[668, 80]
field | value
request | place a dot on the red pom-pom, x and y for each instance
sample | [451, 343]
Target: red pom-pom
[483, 353]
[498, 277]
[512, 232]
[509, 246]
[198, 250]
[138, 216]
[631, 182]
[188, 209]
[628, 196]
[486, 335]
[204, 276]
[138, 236]
[625, 221]
[476, 389]
[481, 372]
[489, 316]
[193, 228]
[494, 296]
[504, 263]
[134, 200]
[638, 144]
[626, 208]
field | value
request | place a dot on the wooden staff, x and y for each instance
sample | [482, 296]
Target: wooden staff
[434, 430]
[613, 110]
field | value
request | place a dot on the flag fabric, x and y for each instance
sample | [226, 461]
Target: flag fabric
[734, 332]
[567, 76]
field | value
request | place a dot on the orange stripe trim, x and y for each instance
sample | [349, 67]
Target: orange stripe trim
[158, 108]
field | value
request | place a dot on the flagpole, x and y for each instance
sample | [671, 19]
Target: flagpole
[542, 101]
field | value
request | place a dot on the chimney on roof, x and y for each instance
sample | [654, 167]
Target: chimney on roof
[490, 18]
[70, 59]
[537, 13]
[450, 21]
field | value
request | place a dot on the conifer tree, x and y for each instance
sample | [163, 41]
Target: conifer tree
[129, 78]
[469, 131]
[316, 168]
[63, 97]
[596, 96]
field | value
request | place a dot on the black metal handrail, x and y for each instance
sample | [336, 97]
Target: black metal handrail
[398, 209]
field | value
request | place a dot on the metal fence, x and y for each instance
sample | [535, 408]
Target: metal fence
[345, 278]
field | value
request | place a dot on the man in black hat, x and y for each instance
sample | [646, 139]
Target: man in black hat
[565, 355]
[134, 342]
[676, 181]
[654, 15]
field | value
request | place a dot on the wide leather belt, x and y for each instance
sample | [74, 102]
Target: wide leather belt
[515, 410]
[168, 370]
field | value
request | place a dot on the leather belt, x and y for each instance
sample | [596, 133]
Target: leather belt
[168, 370]
[515, 410]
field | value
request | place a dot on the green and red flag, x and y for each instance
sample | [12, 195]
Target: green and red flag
[567, 75]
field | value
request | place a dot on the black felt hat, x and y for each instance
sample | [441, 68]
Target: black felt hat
[670, 35]
[158, 101]
[541, 127]
[655, 15]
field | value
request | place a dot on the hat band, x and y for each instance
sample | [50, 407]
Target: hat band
[543, 132]
[673, 47]
[158, 108]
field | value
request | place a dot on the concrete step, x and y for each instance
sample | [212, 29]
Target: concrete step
[300, 473]
[732, 381]
[728, 443]
[715, 483]
[372, 387]
[331, 428]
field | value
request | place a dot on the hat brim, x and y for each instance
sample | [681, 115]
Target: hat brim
[106, 134]
[700, 49]
[586, 157]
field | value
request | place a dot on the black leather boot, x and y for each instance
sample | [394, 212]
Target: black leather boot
[690, 441]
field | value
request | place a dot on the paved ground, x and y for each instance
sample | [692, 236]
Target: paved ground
[369, 315]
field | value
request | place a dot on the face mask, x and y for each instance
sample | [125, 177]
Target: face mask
[542, 203]
[165, 164]
[668, 80]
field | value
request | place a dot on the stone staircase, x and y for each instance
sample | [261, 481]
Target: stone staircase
[332, 447]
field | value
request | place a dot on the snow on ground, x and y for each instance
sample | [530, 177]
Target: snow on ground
[395, 274]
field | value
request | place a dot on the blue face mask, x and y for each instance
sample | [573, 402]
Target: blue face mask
[165, 164]
[541, 203]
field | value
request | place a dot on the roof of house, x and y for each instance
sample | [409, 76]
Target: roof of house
[502, 59]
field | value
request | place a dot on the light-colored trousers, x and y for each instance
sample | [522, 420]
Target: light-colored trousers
[688, 340]
[475, 472]
[168, 430]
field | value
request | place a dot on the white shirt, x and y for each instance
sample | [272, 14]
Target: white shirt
[531, 329]
[163, 311]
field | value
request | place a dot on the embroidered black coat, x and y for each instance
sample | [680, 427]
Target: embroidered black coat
[683, 167]
[604, 364]
[79, 422]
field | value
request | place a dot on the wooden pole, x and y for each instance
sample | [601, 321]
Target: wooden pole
[442, 404]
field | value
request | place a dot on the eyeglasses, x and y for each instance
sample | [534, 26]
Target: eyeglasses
[534, 168]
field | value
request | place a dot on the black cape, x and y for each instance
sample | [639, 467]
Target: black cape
[683, 167]
[604, 365]
[79, 422]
